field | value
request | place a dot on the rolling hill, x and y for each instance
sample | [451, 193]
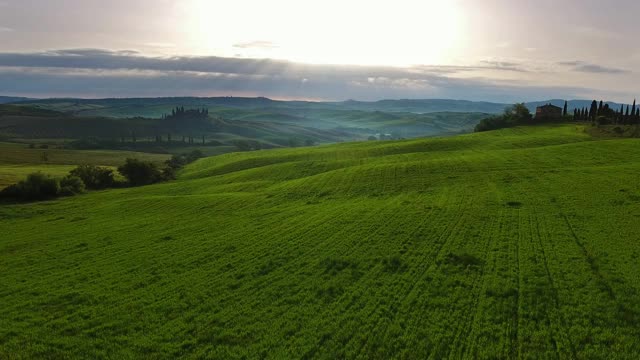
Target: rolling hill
[13, 99]
[518, 243]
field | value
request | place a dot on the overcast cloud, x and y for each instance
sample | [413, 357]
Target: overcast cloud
[507, 50]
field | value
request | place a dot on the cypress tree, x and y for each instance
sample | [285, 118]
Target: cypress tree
[593, 112]
[564, 111]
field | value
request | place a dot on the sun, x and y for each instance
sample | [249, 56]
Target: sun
[398, 33]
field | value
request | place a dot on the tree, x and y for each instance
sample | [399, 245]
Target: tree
[566, 106]
[71, 185]
[94, 177]
[140, 173]
[593, 112]
[36, 186]
[517, 114]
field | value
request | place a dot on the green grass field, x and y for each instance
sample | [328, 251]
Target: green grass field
[17, 160]
[518, 243]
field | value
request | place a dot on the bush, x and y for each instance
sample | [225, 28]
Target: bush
[36, 186]
[94, 177]
[71, 185]
[194, 155]
[515, 115]
[178, 161]
[140, 173]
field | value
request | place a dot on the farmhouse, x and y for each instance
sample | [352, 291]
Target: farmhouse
[548, 112]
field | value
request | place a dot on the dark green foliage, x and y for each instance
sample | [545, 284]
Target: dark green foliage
[36, 186]
[514, 204]
[139, 173]
[94, 177]
[71, 185]
[515, 115]
[394, 264]
[463, 260]
[178, 161]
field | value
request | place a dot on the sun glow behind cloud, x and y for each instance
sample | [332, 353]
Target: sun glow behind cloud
[399, 33]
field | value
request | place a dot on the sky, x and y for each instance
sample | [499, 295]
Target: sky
[488, 50]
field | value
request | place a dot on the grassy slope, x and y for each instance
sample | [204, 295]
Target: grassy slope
[17, 160]
[341, 251]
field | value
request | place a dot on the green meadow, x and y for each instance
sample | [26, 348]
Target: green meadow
[518, 243]
[17, 160]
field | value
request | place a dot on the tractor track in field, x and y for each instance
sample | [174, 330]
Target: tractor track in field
[554, 289]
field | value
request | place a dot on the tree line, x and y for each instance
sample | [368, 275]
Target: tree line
[179, 113]
[602, 114]
[39, 186]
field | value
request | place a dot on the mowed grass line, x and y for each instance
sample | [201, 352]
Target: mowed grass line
[493, 245]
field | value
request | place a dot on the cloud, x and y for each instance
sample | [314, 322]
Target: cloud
[256, 45]
[105, 73]
[596, 33]
[581, 66]
[5, 29]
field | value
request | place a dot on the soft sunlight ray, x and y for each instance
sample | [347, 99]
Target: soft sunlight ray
[340, 32]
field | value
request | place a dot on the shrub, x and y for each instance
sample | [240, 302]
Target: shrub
[140, 173]
[36, 186]
[515, 115]
[169, 173]
[194, 155]
[178, 161]
[94, 177]
[71, 185]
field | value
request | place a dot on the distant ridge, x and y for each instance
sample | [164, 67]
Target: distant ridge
[398, 105]
[12, 99]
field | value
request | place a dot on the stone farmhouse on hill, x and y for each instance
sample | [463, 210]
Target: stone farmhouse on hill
[548, 112]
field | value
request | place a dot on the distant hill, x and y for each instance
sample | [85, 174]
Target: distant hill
[137, 106]
[15, 110]
[425, 106]
[351, 119]
[12, 99]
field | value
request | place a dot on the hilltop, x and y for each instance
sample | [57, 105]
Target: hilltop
[514, 243]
